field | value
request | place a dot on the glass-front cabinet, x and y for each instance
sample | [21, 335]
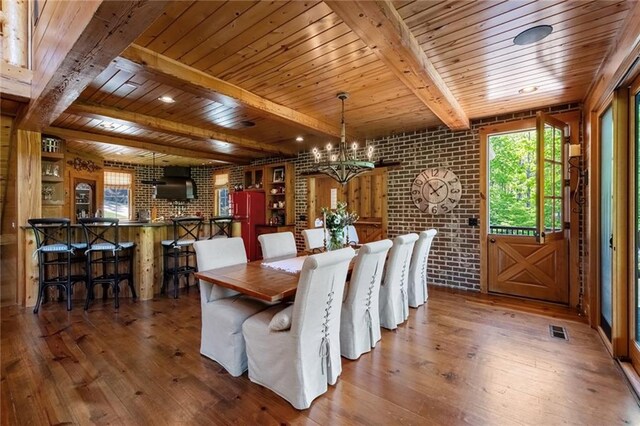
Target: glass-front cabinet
[84, 199]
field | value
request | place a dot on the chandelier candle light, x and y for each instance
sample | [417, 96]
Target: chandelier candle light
[342, 164]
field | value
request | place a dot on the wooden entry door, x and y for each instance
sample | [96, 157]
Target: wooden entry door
[521, 266]
[532, 262]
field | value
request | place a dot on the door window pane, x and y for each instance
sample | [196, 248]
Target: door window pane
[512, 183]
[557, 144]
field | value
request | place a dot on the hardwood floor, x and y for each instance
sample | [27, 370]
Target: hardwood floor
[461, 359]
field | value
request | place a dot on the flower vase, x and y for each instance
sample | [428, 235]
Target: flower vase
[336, 239]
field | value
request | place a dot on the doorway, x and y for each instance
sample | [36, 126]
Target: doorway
[527, 249]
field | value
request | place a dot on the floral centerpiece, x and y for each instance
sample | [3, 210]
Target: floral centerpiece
[335, 222]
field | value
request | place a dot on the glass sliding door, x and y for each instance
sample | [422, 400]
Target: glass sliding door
[606, 222]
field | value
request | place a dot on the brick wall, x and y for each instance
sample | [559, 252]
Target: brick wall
[454, 259]
[202, 176]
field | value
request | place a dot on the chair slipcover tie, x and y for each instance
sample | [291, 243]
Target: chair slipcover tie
[423, 277]
[403, 291]
[325, 346]
[368, 310]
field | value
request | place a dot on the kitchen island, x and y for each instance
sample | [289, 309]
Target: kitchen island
[147, 262]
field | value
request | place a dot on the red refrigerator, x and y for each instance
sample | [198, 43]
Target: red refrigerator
[247, 207]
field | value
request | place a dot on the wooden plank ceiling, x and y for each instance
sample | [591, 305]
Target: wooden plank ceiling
[300, 54]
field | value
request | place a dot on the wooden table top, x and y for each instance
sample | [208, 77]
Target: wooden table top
[257, 280]
[253, 279]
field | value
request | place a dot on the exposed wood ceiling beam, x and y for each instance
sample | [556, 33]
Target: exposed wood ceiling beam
[379, 25]
[171, 127]
[93, 33]
[15, 82]
[177, 74]
[145, 144]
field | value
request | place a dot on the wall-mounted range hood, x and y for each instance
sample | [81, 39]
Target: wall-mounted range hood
[179, 185]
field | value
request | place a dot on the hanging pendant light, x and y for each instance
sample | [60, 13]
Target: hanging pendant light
[342, 164]
[155, 182]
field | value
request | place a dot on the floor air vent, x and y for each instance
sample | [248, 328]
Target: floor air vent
[558, 332]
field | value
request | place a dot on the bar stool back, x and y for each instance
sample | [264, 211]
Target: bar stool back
[220, 226]
[55, 252]
[186, 231]
[102, 236]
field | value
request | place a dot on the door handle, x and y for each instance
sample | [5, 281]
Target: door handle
[492, 240]
[611, 241]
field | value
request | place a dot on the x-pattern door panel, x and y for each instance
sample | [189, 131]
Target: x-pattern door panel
[521, 266]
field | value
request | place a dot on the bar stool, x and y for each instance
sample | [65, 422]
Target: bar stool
[102, 235]
[221, 225]
[186, 231]
[55, 252]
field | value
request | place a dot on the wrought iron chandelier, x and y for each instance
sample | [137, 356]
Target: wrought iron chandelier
[342, 164]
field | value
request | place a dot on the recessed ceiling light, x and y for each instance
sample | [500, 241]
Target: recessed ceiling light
[247, 123]
[166, 99]
[299, 139]
[529, 89]
[532, 35]
[132, 84]
[107, 125]
[119, 153]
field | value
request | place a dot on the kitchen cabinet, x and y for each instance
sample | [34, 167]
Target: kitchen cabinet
[52, 157]
[280, 193]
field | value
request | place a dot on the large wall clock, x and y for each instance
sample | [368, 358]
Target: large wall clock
[436, 191]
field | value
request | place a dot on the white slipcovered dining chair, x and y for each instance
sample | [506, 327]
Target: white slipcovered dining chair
[295, 352]
[224, 310]
[394, 303]
[278, 245]
[360, 321]
[351, 235]
[314, 239]
[418, 271]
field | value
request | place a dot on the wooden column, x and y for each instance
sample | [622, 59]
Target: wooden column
[28, 205]
[145, 262]
[15, 32]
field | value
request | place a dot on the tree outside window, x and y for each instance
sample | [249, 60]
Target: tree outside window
[512, 179]
[118, 194]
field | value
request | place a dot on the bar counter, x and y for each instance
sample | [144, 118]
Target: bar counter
[147, 262]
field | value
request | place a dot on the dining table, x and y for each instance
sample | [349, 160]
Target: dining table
[271, 281]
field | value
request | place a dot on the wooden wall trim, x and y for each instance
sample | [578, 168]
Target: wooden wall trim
[619, 338]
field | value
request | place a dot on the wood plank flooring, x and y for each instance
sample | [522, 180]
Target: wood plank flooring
[461, 359]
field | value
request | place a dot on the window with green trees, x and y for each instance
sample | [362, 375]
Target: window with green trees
[512, 179]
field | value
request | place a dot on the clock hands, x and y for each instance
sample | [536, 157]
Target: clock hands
[435, 190]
